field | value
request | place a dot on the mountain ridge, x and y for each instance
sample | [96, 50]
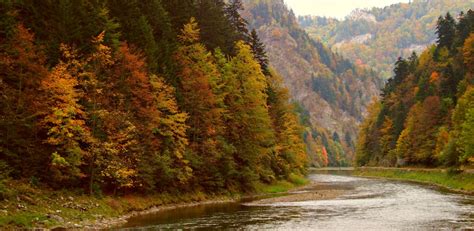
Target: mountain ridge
[395, 30]
[333, 90]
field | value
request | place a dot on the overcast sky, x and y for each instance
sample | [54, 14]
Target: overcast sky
[335, 8]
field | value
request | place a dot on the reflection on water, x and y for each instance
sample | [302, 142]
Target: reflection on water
[368, 205]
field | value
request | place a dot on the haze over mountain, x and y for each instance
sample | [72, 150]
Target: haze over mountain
[377, 37]
[335, 9]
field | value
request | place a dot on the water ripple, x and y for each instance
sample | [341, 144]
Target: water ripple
[368, 205]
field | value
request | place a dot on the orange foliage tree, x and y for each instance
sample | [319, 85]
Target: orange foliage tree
[22, 68]
[197, 73]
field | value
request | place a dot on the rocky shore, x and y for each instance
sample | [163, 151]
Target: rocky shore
[104, 223]
[308, 193]
[305, 193]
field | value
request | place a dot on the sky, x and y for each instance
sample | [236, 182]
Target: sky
[335, 8]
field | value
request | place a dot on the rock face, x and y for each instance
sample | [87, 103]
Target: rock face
[360, 39]
[359, 14]
[334, 91]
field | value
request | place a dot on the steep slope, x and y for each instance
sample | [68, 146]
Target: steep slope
[377, 37]
[426, 114]
[131, 100]
[334, 92]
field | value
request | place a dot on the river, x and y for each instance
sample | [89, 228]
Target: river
[365, 204]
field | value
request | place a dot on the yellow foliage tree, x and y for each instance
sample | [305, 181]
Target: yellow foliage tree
[249, 124]
[65, 122]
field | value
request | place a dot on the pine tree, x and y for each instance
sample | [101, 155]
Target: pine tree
[180, 11]
[146, 24]
[449, 82]
[446, 30]
[464, 28]
[71, 22]
[258, 49]
[8, 21]
[215, 26]
[22, 68]
[401, 70]
[238, 23]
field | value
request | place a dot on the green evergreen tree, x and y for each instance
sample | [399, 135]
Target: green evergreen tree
[214, 25]
[446, 30]
[238, 23]
[258, 49]
[72, 22]
[146, 25]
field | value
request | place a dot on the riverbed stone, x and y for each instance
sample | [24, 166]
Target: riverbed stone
[56, 217]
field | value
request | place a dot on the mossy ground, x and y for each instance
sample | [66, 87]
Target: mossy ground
[28, 206]
[454, 181]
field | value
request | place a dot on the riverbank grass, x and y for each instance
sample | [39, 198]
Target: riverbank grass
[462, 182]
[27, 206]
[282, 186]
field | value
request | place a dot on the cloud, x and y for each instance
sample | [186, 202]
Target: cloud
[335, 8]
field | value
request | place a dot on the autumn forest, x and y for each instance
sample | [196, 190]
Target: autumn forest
[112, 107]
[425, 116]
[134, 95]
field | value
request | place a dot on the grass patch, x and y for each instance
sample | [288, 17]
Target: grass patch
[276, 187]
[461, 181]
[23, 220]
[282, 186]
[298, 180]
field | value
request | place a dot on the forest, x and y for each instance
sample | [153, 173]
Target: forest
[425, 116]
[225, 114]
[141, 96]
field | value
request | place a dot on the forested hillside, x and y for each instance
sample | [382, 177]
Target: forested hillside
[332, 91]
[426, 114]
[140, 96]
[377, 37]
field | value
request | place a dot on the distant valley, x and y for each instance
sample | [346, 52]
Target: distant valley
[376, 37]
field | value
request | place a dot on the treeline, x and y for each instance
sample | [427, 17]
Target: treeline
[426, 114]
[149, 96]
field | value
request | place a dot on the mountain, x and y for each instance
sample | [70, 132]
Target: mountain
[333, 91]
[426, 114]
[377, 37]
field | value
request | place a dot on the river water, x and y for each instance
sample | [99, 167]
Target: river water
[366, 204]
